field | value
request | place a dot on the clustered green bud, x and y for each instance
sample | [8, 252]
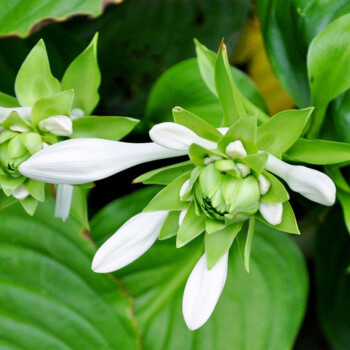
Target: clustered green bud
[221, 191]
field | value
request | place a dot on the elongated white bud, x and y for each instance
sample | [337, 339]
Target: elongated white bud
[132, 240]
[264, 184]
[63, 201]
[312, 184]
[202, 291]
[184, 188]
[236, 149]
[271, 212]
[79, 161]
[177, 137]
[20, 192]
[58, 125]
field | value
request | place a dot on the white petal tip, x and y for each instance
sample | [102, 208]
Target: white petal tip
[271, 212]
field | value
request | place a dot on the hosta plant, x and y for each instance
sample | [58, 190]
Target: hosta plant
[233, 176]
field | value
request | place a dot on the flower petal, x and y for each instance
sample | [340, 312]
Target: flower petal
[177, 137]
[271, 212]
[63, 201]
[24, 112]
[202, 291]
[132, 240]
[84, 160]
[312, 184]
[58, 125]
[20, 192]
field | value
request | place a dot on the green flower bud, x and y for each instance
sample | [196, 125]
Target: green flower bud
[221, 192]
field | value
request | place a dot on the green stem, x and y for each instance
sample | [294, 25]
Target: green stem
[316, 122]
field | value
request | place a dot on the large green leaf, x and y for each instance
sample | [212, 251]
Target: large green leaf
[333, 280]
[258, 311]
[50, 298]
[18, 17]
[288, 28]
[169, 92]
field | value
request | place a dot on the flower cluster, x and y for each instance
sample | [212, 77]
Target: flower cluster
[45, 111]
[232, 178]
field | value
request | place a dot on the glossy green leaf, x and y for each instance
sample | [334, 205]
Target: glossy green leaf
[320, 152]
[170, 226]
[169, 91]
[8, 101]
[248, 243]
[196, 124]
[41, 277]
[330, 46]
[34, 80]
[109, 128]
[277, 192]
[261, 307]
[219, 242]
[289, 223]
[169, 197]
[191, 227]
[332, 280]
[227, 91]
[13, 21]
[289, 124]
[288, 28]
[83, 75]
[165, 175]
[57, 104]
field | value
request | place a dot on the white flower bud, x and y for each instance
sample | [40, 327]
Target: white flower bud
[177, 137]
[271, 212]
[236, 149]
[76, 113]
[264, 184]
[20, 192]
[244, 169]
[58, 125]
[312, 184]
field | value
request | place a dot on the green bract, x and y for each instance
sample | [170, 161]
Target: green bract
[45, 112]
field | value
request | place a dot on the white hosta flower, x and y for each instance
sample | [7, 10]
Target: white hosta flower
[58, 125]
[132, 240]
[23, 112]
[264, 184]
[202, 291]
[177, 137]
[20, 192]
[236, 150]
[79, 161]
[312, 184]
[271, 212]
